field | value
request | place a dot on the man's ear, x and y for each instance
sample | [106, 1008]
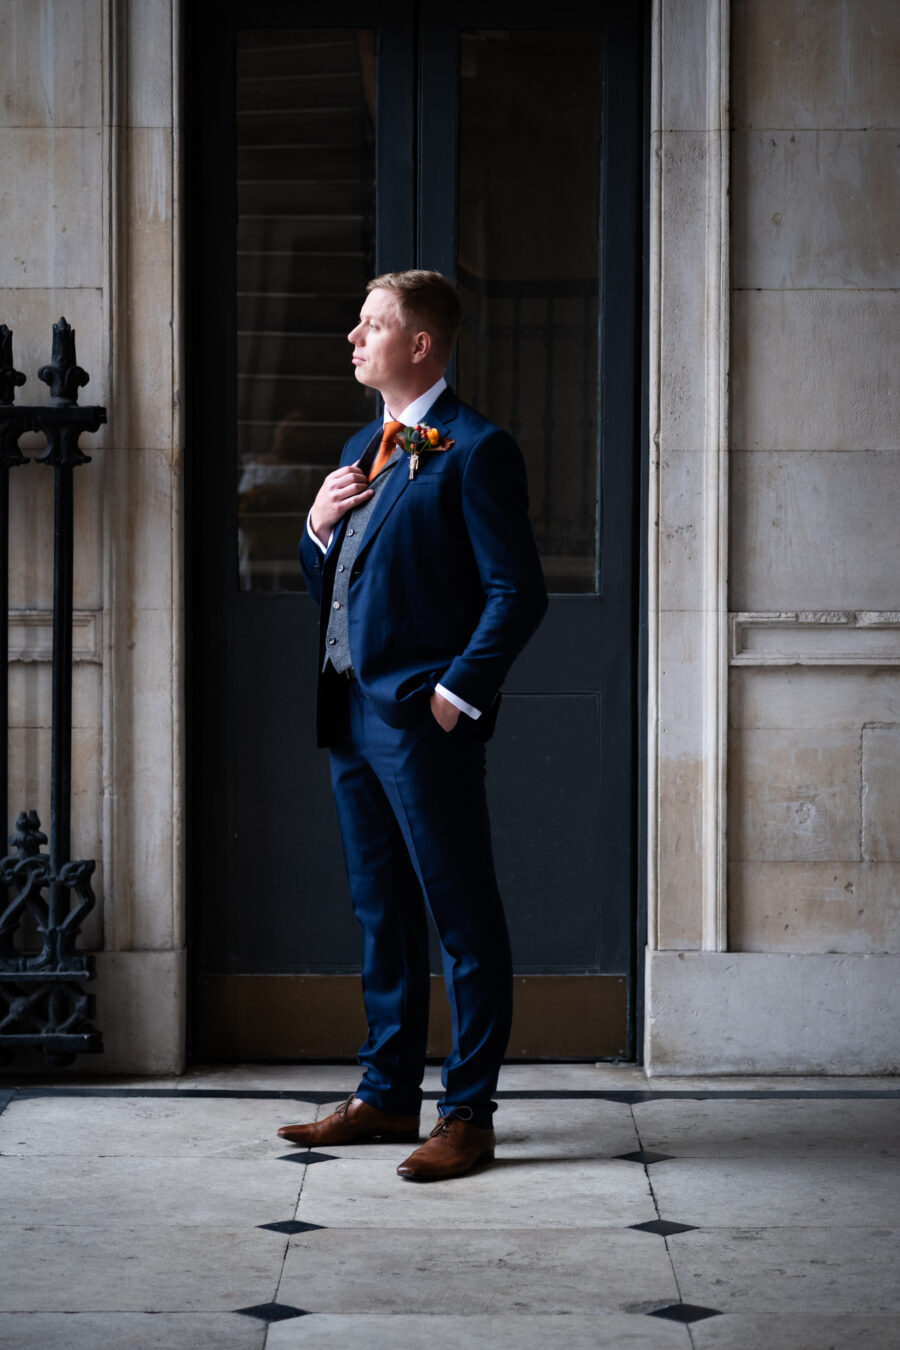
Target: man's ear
[422, 346]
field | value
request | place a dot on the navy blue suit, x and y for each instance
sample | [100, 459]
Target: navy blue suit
[446, 588]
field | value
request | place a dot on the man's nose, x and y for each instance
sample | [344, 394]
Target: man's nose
[355, 334]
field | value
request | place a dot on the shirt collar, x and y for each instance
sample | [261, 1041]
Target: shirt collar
[413, 414]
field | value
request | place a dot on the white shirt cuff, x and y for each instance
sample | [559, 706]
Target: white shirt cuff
[323, 548]
[457, 701]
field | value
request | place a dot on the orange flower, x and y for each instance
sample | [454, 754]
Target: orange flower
[433, 436]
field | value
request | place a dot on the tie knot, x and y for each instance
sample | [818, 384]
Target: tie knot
[390, 431]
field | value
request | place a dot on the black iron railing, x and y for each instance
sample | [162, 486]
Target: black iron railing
[45, 896]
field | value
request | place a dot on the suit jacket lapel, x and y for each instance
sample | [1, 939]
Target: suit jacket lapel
[441, 415]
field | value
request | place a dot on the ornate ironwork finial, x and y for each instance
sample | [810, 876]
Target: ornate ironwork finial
[29, 836]
[64, 376]
[10, 378]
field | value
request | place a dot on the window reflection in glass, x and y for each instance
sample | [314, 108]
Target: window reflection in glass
[529, 244]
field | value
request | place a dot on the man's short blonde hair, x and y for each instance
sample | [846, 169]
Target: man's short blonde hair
[429, 303]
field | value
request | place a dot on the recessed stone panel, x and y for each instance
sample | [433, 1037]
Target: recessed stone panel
[814, 907]
[881, 793]
[815, 370]
[51, 204]
[828, 64]
[794, 796]
[797, 523]
[814, 209]
[50, 58]
[805, 697]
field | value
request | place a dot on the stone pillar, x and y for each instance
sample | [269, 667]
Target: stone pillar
[90, 201]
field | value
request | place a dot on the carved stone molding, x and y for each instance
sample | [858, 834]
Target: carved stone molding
[688, 365]
[815, 638]
[31, 635]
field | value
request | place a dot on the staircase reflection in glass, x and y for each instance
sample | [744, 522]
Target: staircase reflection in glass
[305, 241]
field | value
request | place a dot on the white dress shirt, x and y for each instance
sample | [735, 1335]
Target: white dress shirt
[410, 417]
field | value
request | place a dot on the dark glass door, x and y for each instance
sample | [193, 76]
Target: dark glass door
[507, 156]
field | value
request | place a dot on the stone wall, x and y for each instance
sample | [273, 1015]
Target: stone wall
[774, 621]
[89, 207]
[800, 975]
[814, 789]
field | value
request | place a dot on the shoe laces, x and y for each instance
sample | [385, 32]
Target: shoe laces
[463, 1113]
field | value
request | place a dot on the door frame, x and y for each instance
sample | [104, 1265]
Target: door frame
[633, 353]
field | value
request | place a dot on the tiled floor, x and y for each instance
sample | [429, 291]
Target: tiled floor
[151, 1215]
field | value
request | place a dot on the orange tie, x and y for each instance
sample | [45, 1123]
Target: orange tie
[386, 449]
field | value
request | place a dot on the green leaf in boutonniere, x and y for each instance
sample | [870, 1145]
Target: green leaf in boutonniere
[417, 440]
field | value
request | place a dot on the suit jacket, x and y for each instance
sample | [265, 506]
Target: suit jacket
[447, 586]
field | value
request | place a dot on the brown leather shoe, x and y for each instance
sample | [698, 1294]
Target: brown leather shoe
[354, 1122]
[453, 1147]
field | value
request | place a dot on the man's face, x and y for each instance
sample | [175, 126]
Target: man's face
[382, 345]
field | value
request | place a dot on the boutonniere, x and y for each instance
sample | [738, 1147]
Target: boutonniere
[414, 441]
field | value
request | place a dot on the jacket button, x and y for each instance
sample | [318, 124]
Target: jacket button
[332, 641]
[336, 605]
[351, 532]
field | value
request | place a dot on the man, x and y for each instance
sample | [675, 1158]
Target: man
[419, 551]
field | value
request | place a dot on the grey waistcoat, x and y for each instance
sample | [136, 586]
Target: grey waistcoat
[337, 636]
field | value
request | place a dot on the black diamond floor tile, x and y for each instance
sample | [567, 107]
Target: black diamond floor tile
[306, 1158]
[663, 1227]
[645, 1157]
[273, 1312]
[685, 1312]
[292, 1226]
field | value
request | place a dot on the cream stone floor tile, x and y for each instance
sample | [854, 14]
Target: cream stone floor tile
[778, 1192]
[65, 1268]
[501, 1272]
[817, 1270]
[147, 1191]
[739, 1129]
[582, 1129]
[130, 1331]
[610, 1331]
[805, 1331]
[511, 1193]
[145, 1127]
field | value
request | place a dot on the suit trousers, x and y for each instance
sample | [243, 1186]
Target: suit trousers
[414, 822]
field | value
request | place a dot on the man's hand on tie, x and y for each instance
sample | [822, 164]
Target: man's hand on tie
[445, 713]
[342, 490]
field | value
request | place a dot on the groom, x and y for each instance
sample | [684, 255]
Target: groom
[419, 551]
